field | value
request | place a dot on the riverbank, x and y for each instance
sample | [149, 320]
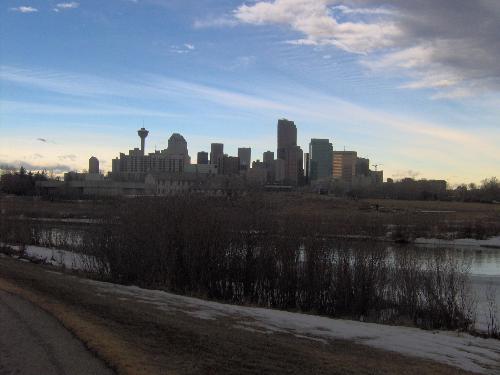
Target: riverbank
[485, 282]
[142, 331]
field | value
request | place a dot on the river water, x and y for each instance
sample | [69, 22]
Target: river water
[482, 261]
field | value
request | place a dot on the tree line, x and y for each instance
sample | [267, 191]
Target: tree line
[21, 182]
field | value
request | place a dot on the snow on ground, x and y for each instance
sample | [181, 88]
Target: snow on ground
[490, 242]
[460, 350]
[55, 257]
[74, 261]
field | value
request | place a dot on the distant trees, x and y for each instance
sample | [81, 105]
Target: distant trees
[21, 182]
[488, 191]
[411, 189]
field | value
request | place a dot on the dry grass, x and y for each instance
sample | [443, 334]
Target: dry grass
[95, 336]
[139, 339]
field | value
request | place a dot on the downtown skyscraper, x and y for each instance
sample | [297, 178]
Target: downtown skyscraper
[320, 159]
[290, 153]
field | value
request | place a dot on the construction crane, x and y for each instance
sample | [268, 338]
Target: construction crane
[376, 166]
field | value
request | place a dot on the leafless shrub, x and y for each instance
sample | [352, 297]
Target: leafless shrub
[235, 250]
[244, 250]
[493, 323]
[446, 294]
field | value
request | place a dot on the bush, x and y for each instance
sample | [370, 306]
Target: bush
[235, 251]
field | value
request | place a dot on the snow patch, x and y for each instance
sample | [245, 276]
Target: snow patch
[456, 349]
[55, 257]
[452, 348]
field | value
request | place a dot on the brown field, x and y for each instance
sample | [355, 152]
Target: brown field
[285, 202]
[337, 216]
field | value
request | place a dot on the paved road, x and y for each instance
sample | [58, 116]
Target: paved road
[33, 342]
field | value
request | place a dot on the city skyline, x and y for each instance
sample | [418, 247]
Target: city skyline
[224, 72]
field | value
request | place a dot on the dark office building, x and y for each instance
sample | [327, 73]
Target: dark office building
[230, 165]
[202, 157]
[216, 152]
[293, 165]
[290, 153]
[216, 155]
[245, 155]
[362, 167]
[268, 159]
[320, 159]
[287, 136]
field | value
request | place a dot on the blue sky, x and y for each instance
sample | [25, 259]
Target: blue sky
[407, 87]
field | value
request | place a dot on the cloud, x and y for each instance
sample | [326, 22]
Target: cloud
[448, 46]
[402, 139]
[70, 157]
[66, 6]
[185, 48]
[64, 83]
[43, 140]
[310, 105]
[224, 21]
[317, 22]
[24, 9]
[240, 62]
[368, 11]
[92, 109]
[16, 164]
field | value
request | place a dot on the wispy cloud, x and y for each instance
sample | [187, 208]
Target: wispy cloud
[152, 86]
[65, 83]
[224, 21]
[433, 43]
[45, 140]
[70, 157]
[24, 9]
[241, 62]
[308, 105]
[84, 109]
[185, 48]
[66, 6]
[417, 136]
[366, 11]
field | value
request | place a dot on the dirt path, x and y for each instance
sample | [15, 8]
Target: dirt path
[137, 337]
[33, 342]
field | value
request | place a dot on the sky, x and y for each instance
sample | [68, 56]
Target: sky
[412, 85]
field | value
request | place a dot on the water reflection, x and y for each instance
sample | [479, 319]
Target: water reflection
[483, 261]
